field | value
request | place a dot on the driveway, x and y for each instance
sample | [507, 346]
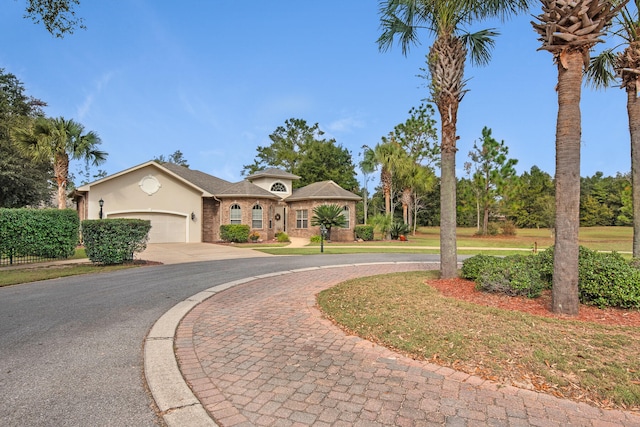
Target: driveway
[180, 253]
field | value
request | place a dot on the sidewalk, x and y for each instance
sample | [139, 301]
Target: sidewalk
[258, 353]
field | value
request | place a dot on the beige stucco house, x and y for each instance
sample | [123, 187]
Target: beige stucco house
[186, 205]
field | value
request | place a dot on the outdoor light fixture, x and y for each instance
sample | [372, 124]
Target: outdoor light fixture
[101, 203]
[323, 232]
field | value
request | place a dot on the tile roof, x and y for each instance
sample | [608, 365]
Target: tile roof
[322, 190]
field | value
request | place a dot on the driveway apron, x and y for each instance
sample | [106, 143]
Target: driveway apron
[261, 354]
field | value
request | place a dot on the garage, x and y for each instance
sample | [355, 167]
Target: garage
[165, 227]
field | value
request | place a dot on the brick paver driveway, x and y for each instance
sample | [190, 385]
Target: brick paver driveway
[260, 354]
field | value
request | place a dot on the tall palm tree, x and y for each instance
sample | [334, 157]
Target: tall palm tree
[57, 140]
[385, 154]
[445, 20]
[569, 29]
[607, 68]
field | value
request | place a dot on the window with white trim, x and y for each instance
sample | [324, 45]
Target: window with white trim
[347, 217]
[235, 214]
[302, 218]
[256, 216]
[278, 187]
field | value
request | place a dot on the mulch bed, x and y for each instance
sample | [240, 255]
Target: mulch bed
[465, 290]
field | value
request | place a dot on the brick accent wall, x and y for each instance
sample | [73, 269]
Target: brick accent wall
[210, 221]
[337, 234]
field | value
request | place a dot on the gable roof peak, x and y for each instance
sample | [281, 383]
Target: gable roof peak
[272, 173]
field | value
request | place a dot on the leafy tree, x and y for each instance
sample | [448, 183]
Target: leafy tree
[569, 31]
[58, 16]
[604, 70]
[532, 203]
[445, 70]
[23, 182]
[324, 160]
[300, 149]
[492, 170]
[176, 158]
[56, 141]
[417, 137]
[328, 216]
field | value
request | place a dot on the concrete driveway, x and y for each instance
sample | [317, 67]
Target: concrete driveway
[179, 253]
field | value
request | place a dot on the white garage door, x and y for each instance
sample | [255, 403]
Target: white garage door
[165, 228]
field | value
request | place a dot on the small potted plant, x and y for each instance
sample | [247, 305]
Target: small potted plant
[254, 236]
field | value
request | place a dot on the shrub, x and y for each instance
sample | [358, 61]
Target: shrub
[520, 276]
[364, 232]
[512, 275]
[47, 233]
[508, 228]
[606, 279]
[114, 241]
[282, 237]
[315, 238]
[472, 267]
[493, 229]
[254, 236]
[398, 229]
[236, 233]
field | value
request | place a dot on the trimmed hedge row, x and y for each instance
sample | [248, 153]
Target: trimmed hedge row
[604, 279]
[47, 233]
[114, 241]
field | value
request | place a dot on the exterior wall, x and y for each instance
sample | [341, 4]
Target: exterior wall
[337, 234]
[125, 195]
[210, 220]
[246, 205]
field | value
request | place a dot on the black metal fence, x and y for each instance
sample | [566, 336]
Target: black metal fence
[17, 259]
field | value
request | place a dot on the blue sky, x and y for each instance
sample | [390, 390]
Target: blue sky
[213, 79]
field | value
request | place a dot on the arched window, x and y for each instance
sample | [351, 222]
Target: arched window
[278, 187]
[347, 217]
[256, 216]
[236, 214]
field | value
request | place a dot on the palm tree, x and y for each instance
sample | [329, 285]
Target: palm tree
[569, 30]
[328, 216]
[385, 154]
[445, 61]
[57, 140]
[603, 71]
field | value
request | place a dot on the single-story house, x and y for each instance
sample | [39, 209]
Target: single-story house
[186, 205]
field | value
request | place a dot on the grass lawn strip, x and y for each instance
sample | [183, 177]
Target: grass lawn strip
[582, 361]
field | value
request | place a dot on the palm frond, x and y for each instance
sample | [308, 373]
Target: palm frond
[601, 71]
[480, 45]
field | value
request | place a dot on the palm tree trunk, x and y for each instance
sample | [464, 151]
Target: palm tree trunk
[61, 172]
[633, 111]
[448, 250]
[565, 298]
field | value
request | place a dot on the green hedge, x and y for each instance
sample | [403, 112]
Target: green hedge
[364, 232]
[47, 233]
[604, 279]
[114, 241]
[237, 233]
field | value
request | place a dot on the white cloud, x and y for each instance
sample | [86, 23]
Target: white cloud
[102, 82]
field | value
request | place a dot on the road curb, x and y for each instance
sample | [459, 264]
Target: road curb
[175, 400]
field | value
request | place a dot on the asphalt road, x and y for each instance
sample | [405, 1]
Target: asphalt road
[71, 348]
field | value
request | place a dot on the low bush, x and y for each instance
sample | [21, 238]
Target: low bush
[513, 275]
[472, 267]
[316, 238]
[235, 233]
[606, 279]
[364, 232]
[282, 237]
[508, 228]
[114, 241]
